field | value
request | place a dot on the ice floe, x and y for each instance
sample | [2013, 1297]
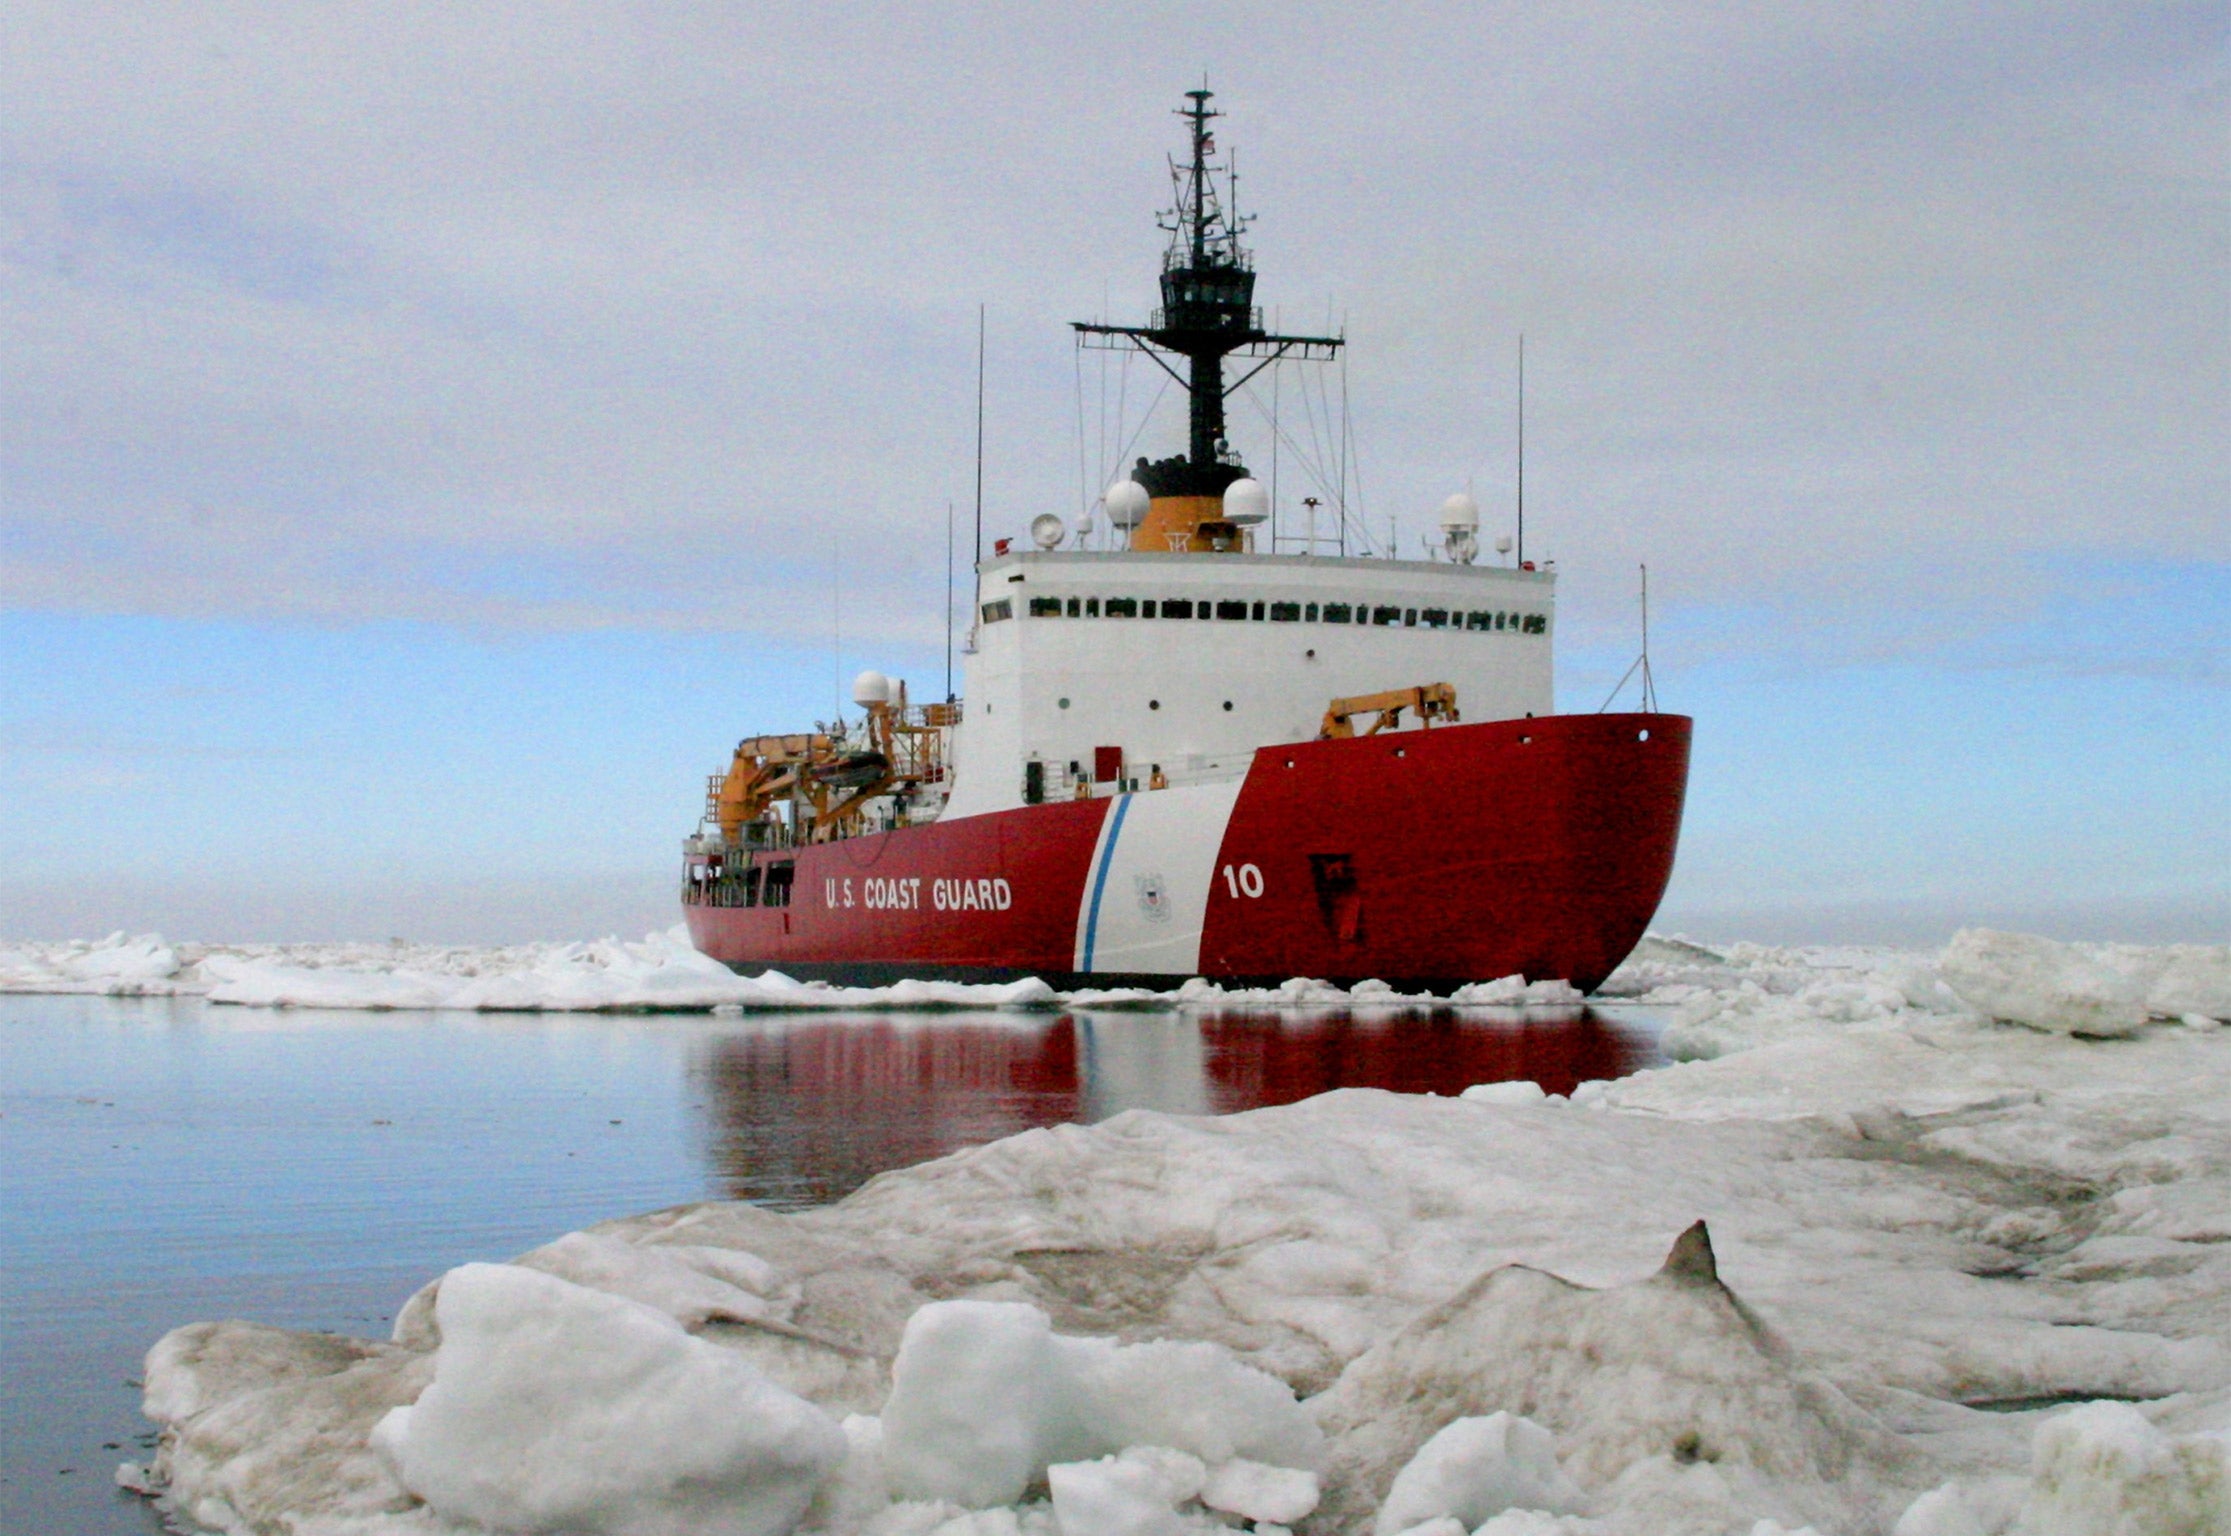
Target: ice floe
[120, 965]
[661, 974]
[1873, 1261]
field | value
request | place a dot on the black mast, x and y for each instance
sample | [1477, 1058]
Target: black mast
[1208, 313]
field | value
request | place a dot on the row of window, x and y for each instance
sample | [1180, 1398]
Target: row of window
[1276, 613]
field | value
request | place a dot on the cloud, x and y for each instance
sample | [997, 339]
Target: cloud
[572, 316]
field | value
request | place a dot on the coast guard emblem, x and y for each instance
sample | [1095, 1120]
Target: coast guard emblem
[1154, 897]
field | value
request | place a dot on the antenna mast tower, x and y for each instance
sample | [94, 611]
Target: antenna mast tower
[1208, 313]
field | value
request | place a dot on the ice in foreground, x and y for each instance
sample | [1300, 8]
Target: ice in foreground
[1955, 1276]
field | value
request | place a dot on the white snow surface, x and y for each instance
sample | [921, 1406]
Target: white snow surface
[1956, 1277]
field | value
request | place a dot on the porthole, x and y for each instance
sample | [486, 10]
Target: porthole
[1401, 752]
[1525, 740]
[1227, 706]
[1154, 703]
[1064, 703]
[1642, 735]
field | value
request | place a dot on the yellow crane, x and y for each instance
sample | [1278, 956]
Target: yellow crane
[1428, 701]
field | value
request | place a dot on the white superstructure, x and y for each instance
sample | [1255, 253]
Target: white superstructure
[1097, 668]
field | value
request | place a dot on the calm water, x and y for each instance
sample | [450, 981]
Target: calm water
[163, 1161]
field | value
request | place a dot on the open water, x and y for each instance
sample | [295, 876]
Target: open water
[164, 1161]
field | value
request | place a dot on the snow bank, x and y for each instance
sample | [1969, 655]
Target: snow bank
[1754, 995]
[119, 965]
[1959, 1276]
[1672, 1367]
[661, 974]
[2022, 979]
[2104, 991]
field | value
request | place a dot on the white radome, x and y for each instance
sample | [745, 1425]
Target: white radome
[1127, 503]
[1459, 511]
[871, 688]
[1246, 503]
[1047, 530]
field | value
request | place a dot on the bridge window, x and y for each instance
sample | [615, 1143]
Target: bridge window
[1003, 609]
[1287, 613]
[1045, 607]
[1092, 607]
[1231, 610]
[1478, 620]
[1384, 615]
[1537, 623]
[1309, 614]
[1337, 613]
[1178, 608]
[1258, 614]
[1435, 618]
[1074, 608]
[1123, 607]
[1410, 618]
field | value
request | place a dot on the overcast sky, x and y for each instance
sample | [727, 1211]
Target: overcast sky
[429, 435]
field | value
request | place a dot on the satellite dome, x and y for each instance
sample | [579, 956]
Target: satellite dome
[1127, 503]
[1047, 530]
[1246, 502]
[1459, 511]
[871, 688]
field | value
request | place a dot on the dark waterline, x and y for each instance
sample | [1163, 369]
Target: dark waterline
[163, 1161]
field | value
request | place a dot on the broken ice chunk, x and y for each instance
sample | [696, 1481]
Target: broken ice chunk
[984, 1397]
[1475, 1468]
[1518, 1093]
[2022, 979]
[557, 1407]
[979, 1404]
[1256, 1491]
[1114, 1496]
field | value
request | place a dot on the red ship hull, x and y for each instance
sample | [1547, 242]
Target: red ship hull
[1423, 858]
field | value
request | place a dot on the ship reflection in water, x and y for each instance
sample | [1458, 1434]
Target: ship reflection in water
[804, 1111]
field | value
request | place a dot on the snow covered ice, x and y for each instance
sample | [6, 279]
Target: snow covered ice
[1964, 1267]
[661, 974]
